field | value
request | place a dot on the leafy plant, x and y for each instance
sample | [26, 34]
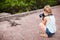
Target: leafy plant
[14, 6]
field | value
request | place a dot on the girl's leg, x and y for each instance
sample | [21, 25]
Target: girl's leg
[42, 28]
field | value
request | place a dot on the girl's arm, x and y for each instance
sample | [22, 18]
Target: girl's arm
[44, 21]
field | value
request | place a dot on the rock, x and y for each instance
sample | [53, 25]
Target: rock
[4, 14]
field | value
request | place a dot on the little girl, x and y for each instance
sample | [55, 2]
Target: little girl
[47, 26]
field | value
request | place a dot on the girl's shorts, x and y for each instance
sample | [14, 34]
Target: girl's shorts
[49, 33]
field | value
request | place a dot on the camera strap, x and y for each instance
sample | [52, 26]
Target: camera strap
[49, 15]
[46, 16]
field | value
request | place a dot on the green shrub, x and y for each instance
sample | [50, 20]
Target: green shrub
[13, 6]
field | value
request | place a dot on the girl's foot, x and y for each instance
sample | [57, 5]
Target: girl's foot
[44, 35]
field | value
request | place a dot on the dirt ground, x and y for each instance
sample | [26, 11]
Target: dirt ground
[28, 28]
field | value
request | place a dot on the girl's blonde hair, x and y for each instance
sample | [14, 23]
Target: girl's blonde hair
[49, 11]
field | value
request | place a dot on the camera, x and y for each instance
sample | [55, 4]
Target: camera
[42, 15]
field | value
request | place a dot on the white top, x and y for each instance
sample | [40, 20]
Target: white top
[51, 24]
